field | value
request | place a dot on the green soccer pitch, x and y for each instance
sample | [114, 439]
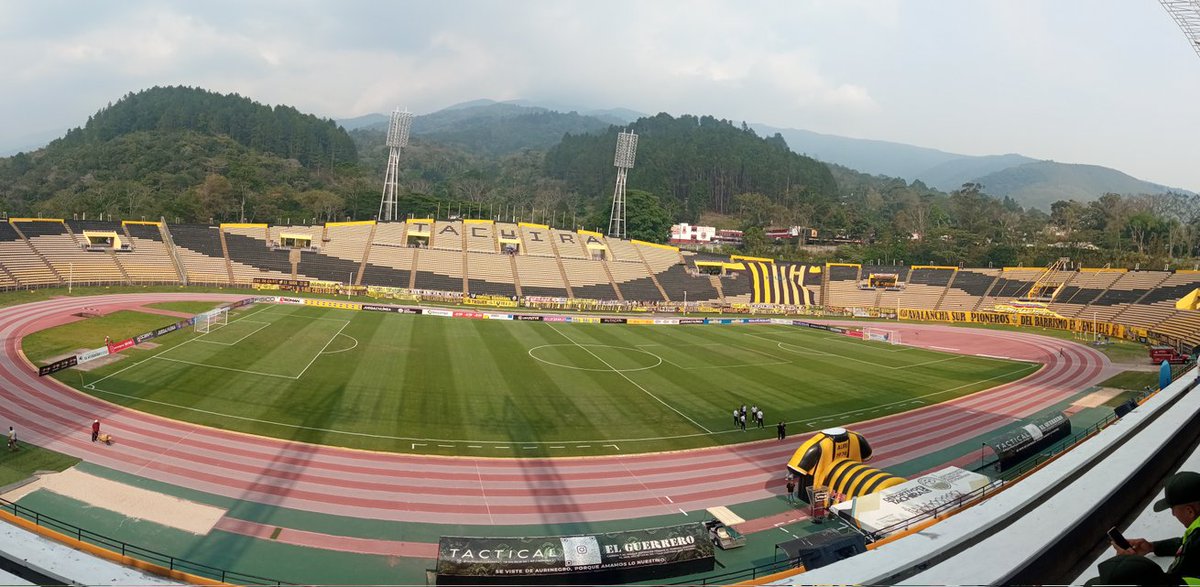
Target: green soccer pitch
[501, 388]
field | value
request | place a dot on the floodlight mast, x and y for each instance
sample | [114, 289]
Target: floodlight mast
[1186, 14]
[623, 161]
[397, 138]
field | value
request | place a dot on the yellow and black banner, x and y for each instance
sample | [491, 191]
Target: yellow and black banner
[779, 283]
[1025, 320]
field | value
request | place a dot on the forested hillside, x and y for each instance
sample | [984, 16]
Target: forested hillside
[698, 164]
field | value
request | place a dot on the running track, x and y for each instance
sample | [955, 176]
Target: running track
[462, 490]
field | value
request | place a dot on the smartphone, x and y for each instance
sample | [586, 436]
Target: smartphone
[1115, 535]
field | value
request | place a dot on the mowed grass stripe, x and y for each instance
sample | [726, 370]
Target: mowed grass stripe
[438, 385]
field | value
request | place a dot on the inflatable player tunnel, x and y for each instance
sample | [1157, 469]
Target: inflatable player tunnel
[833, 458]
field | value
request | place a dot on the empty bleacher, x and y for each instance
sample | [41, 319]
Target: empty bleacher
[540, 277]
[439, 270]
[480, 236]
[588, 279]
[347, 242]
[21, 261]
[738, 286]
[67, 256]
[199, 249]
[968, 289]
[447, 235]
[923, 287]
[536, 240]
[622, 250]
[490, 274]
[634, 281]
[251, 257]
[150, 260]
[1080, 291]
[569, 245]
[1013, 283]
[676, 280]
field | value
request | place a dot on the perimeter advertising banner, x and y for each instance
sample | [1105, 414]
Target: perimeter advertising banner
[611, 557]
[1016, 319]
[888, 509]
[57, 366]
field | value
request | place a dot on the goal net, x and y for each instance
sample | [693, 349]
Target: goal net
[211, 320]
[881, 335]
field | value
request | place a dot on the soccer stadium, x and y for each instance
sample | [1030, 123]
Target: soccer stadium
[387, 400]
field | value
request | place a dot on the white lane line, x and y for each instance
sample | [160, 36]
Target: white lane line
[626, 377]
[484, 493]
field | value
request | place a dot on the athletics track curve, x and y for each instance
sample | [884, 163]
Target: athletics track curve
[485, 491]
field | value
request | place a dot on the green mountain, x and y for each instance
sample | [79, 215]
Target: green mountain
[1042, 183]
[697, 165]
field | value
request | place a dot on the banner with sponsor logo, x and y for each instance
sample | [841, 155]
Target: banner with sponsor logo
[499, 316]
[557, 319]
[1013, 319]
[93, 354]
[116, 347]
[472, 315]
[610, 557]
[438, 312]
[528, 317]
[58, 365]
[578, 319]
[692, 320]
[610, 320]
[332, 304]
[893, 506]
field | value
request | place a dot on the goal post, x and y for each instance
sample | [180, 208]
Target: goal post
[881, 335]
[211, 320]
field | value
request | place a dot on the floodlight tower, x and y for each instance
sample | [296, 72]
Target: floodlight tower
[397, 138]
[1187, 15]
[623, 161]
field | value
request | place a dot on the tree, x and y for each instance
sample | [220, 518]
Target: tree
[645, 218]
[215, 197]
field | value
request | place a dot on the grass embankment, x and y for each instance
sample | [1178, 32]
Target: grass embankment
[23, 463]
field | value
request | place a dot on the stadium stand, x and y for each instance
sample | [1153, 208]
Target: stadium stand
[738, 286]
[508, 235]
[490, 274]
[588, 279]
[439, 269]
[199, 249]
[481, 236]
[54, 241]
[22, 264]
[676, 280]
[1012, 284]
[1087, 286]
[536, 240]
[540, 277]
[968, 288]
[251, 257]
[1130, 289]
[447, 235]
[843, 288]
[569, 245]
[621, 250]
[150, 260]
[924, 287]
[634, 281]
[778, 283]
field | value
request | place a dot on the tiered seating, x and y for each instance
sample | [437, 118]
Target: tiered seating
[570, 246]
[779, 283]
[537, 242]
[924, 287]
[1158, 306]
[78, 226]
[968, 287]
[150, 260]
[738, 286]
[540, 276]
[659, 259]
[347, 242]
[634, 281]
[481, 236]
[20, 260]
[883, 298]
[447, 235]
[1127, 290]
[251, 257]
[390, 261]
[843, 289]
[1183, 325]
[199, 248]
[491, 274]
[622, 250]
[68, 257]
[1080, 291]
[439, 270]
[588, 279]
[676, 280]
[1012, 284]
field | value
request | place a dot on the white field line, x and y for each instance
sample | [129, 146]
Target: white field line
[164, 351]
[327, 343]
[777, 360]
[626, 377]
[206, 365]
[344, 350]
[834, 337]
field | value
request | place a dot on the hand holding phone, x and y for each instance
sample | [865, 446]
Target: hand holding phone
[1118, 539]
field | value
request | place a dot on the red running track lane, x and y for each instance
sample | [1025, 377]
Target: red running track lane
[477, 490]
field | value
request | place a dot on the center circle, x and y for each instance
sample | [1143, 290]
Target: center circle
[595, 353]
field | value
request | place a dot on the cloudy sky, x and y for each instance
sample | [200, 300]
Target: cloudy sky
[1109, 82]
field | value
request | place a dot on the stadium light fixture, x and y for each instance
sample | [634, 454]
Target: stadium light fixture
[397, 139]
[623, 161]
[1186, 14]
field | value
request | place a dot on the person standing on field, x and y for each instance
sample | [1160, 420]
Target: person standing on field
[12, 438]
[761, 419]
[95, 430]
[742, 421]
[781, 430]
[736, 412]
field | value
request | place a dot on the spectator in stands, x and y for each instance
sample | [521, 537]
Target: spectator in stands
[1129, 569]
[1183, 499]
[95, 430]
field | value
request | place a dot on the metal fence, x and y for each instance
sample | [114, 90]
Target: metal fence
[133, 550]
